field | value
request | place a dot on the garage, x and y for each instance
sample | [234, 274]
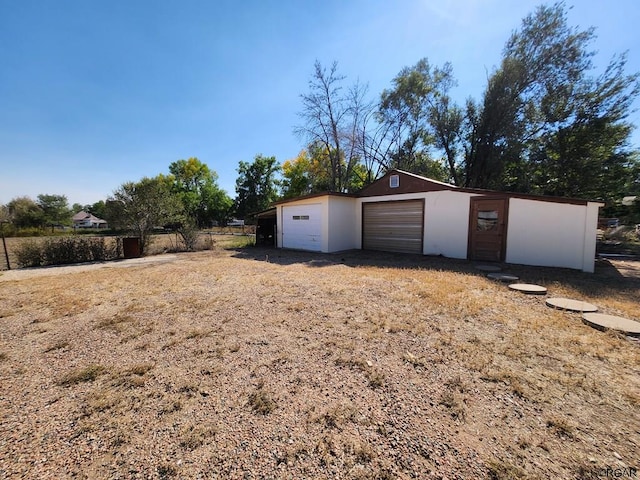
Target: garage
[395, 226]
[302, 227]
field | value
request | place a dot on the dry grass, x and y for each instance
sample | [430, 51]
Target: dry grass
[81, 375]
[59, 345]
[354, 365]
[262, 402]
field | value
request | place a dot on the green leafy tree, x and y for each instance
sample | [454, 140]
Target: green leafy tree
[196, 186]
[419, 115]
[25, 213]
[4, 214]
[141, 206]
[256, 186]
[545, 125]
[55, 209]
[297, 178]
[310, 172]
[97, 209]
[114, 214]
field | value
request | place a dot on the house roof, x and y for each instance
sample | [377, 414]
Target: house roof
[82, 216]
[269, 212]
[415, 183]
[412, 183]
[315, 195]
[409, 183]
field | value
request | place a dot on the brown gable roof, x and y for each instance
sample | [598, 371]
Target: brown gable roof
[314, 195]
[408, 183]
[412, 183]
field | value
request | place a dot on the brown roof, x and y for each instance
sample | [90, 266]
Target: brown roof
[409, 183]
[412, 183]
[82, 215]
[315, 195]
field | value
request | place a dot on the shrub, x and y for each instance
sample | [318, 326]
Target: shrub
[29, 254]
[26, 232]
[101, 250]
[64, 250]
[189, 235]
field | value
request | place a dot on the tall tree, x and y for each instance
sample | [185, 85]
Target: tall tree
[256, 186]
[4, 214]
[55, 209]
[332, 119]
[146, 204]
[297, 177]
[97, 209]
[544, 124]
[25, 213]
[419, 115]
[196, 186]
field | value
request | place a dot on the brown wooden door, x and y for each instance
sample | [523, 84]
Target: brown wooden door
[487, 228]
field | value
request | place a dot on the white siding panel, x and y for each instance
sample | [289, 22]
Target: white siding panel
[446, 228]
[546, 233]
[342, 232]
[302, 227]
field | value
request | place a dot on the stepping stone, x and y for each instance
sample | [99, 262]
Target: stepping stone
[528, 288]
[604, 322]
[503, 277]
[571, 305]
[488, 268]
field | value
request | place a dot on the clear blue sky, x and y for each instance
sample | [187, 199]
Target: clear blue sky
[95, 93]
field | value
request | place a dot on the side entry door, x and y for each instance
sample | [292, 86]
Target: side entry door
[487, 228]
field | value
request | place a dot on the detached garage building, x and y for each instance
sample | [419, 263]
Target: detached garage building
[407, 213]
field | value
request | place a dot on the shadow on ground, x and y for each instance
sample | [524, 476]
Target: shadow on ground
[609, 275]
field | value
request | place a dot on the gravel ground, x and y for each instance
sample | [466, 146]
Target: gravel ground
[264, 364]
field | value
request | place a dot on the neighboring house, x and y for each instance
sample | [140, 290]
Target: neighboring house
[83, 219]
[403, 212]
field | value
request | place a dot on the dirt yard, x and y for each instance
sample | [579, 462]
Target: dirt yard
[255, 363]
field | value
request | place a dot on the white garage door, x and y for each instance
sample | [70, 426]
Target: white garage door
[302, 227]
[393, 226]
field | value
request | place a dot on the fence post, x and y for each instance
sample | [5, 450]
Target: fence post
[4, 245]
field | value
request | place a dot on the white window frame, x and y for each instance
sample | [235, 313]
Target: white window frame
[394, 181]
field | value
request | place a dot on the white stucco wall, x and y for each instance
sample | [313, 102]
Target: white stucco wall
[446, 223]
[552, 234]
[538, 233]
[323, 201]
[342, 234]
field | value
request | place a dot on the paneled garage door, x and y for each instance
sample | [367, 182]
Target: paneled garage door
[302, 227]
[393, 226]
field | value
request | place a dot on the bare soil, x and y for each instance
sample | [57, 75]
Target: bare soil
[257, 363]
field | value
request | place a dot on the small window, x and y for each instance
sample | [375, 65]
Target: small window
[487, 220]
[301, 217]
[394, 181]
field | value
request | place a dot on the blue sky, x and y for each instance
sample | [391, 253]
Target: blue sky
[96, 93]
